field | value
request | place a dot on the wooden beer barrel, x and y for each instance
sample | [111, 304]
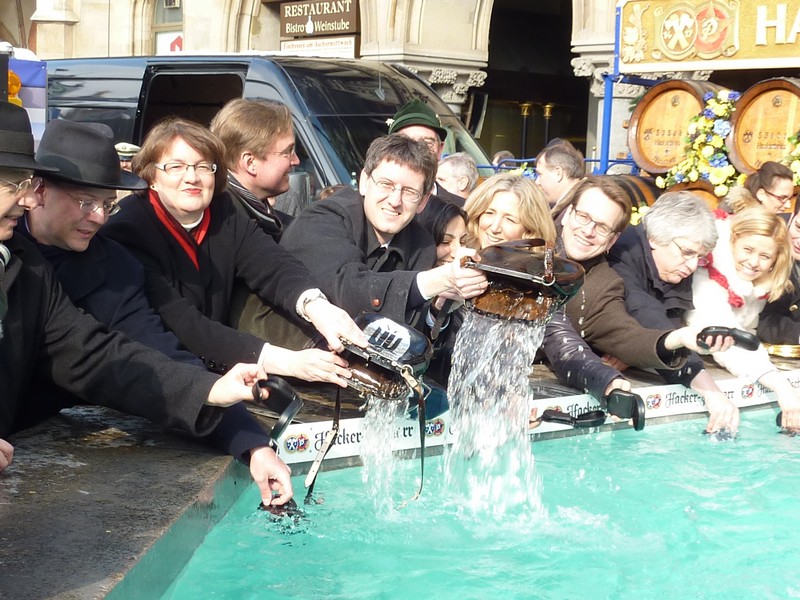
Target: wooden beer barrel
[642, 191]
[701, 188]
[765, 115]
[658, 124]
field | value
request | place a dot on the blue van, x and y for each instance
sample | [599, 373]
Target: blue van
[339, 106]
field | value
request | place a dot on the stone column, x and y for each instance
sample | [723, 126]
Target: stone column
[54, 28]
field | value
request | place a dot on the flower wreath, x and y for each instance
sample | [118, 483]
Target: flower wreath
[706, 154]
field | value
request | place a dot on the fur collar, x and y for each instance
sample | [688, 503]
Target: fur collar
[721, 269]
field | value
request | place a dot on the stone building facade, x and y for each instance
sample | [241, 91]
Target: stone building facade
[445, 41]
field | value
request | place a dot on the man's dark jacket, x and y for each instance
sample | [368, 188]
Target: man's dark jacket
[46, 337]
[106, 282]
[340, 248]
[655, 303]
[779, 322]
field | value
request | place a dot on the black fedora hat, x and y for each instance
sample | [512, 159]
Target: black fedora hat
[16, 139]
[84, 154]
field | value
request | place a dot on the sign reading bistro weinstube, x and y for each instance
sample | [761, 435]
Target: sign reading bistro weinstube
[307, 19]
[691, 35]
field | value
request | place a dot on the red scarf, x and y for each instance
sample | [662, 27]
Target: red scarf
[189, 240]
[734, 299]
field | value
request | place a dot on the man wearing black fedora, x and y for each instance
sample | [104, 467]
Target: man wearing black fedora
[45, 338]
[103, 278]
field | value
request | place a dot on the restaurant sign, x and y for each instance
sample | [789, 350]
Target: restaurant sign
[307, 19]
[693, 35]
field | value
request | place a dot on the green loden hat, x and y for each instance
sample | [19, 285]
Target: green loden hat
[416, 112]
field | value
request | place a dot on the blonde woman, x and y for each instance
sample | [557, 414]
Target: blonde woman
[509, 207]
[749, 267]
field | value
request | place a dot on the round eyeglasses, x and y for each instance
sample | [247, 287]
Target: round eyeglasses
[583, 219]
[109, 207]
[21, 188]
[408, 194]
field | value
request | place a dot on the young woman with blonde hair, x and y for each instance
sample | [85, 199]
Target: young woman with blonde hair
[749, 267]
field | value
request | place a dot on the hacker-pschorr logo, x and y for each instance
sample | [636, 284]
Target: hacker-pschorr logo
[393, 340]
[434, 428]
[747, 391]
[707, 31]
[653, 401]
[296, 443]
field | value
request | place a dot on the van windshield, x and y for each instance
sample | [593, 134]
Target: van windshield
[350, 103]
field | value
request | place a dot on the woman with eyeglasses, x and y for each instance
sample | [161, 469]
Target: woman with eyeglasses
[45, 339]
[194, 244]
[749, 267]
[771, 187]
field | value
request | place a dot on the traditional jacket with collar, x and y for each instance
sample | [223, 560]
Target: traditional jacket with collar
[336, 242]
[599, 315]
[194, 301]
[46, 338]
[721, 297]
[656, 304]
[106, 282]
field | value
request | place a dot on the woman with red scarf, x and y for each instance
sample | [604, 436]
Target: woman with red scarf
[194, 244]
[749, 267]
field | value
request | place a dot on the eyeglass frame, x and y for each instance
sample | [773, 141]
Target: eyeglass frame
[782, 199]
[109, 208]
[383, 185]
[287, 154]
[688, 255]
[598, 227]
[18, 191]
[163, 168]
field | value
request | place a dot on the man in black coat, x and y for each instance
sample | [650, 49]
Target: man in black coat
[259, 143]
[367, 250]
[45, 338]
[103, 279]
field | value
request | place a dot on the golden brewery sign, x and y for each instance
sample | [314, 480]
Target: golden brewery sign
[330, 17]
[692, 35]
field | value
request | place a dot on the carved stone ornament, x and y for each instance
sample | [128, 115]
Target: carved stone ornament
[582, 66]
[476, 79]
[439, 75]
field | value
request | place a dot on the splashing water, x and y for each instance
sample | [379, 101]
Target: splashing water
[379, 428]
[490, 465]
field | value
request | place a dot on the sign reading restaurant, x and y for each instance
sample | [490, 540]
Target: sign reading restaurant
[694, 35]
[331, 17]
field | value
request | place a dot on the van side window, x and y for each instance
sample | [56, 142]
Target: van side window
[304, 182]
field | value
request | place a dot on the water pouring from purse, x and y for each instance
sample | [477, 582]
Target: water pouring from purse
[388, 375]
[490, 464]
